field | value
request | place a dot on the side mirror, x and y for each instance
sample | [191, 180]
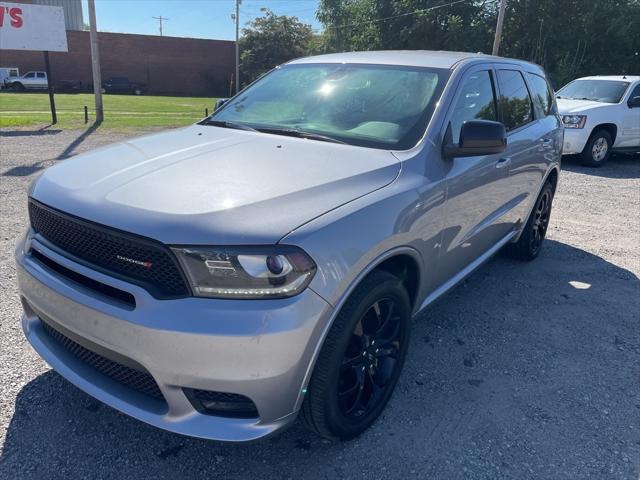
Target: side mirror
[478, 137]
[634, 102]
[219, 103]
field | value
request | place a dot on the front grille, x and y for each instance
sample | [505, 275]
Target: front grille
[221, 403]
[138, 380]
[108, 249]
[116, 294]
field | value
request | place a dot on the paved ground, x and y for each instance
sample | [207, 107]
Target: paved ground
[521, 372]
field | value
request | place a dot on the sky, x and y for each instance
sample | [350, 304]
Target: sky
[191, 18]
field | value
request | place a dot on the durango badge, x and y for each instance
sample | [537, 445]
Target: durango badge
[133, 260]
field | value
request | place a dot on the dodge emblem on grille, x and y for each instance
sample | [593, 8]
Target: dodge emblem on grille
[134, 261]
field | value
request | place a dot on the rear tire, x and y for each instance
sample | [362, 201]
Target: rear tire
[598, 149]
[358, 366]
[532, 237]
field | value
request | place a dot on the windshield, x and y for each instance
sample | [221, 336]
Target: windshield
[606, 91]
[367, 105]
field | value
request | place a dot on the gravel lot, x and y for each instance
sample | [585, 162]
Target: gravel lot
[517, 373]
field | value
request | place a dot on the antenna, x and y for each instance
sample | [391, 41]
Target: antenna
[160, 19]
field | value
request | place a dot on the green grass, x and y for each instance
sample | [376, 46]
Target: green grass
[120, 111]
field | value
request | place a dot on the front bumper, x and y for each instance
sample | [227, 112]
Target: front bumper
[260, 349]
[575, 140]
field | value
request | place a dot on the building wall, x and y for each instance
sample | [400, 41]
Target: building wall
[168, 65]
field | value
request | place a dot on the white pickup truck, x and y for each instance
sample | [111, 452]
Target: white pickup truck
[601, 114]
[30, 81]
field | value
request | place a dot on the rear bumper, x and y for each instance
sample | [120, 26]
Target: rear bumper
[258, 349]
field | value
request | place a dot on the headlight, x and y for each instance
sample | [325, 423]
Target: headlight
[277, 271]
[574, 121]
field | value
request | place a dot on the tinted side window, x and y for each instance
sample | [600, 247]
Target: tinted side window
[476, 102]
[40, 75]
[514, 100]
[30, 75]
[542, 95]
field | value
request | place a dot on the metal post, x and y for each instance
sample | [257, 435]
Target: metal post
[238, 2]
[95, 61]
[52, 102]
[206, 112]
[86, 114]
[498, 36]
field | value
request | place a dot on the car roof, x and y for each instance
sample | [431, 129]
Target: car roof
[412, 58]
[630, 78]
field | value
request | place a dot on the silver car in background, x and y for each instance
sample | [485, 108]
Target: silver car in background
[218, 280]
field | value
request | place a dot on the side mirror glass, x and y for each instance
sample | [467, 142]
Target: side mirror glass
[478, 137]
[219, 103]
[634, 102]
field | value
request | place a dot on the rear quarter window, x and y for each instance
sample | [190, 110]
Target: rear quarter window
[542, 94]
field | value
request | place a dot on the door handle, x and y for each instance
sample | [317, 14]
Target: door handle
[503, 162]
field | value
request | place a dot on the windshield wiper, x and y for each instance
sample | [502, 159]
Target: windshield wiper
[223, 124]
[293, 132]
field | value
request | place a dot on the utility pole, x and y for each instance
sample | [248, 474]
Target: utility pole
[237, 18]
[160, 18]
[496, 39]
[95, 61]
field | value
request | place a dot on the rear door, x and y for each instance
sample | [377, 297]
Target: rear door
[41, 80]
[630, 120]
[530, 136]
[478, 191]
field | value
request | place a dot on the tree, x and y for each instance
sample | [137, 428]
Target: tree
[404, 24]
[569, 38]
[271, 40]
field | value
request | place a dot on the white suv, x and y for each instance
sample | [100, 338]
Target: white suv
[600, 114]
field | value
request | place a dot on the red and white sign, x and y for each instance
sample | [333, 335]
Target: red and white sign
[32, 27]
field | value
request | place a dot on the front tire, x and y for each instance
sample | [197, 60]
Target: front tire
[598, 149]
[530, 242]
[361, 359]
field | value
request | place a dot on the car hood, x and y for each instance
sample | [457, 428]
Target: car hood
[567, 106]
[210, 185]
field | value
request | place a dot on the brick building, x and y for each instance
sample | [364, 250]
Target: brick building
[168, 65]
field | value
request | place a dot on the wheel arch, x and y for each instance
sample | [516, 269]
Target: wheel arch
[552, 175]
[611, 128]
[400, 259]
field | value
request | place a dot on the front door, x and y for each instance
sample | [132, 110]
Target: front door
[630, 122]
[478, 190]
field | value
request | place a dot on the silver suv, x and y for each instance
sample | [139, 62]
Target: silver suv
[220, 279]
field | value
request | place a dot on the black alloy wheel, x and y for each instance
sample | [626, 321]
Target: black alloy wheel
[370, 359]
[541, 216]
[534, 232]
[361, 359]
